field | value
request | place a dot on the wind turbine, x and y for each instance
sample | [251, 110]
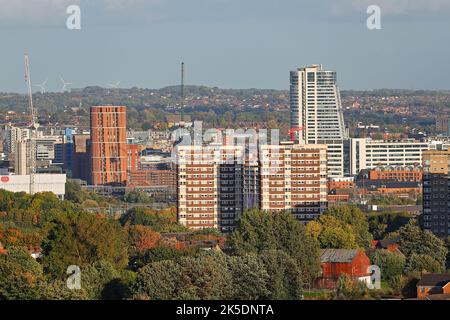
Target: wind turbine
[65, 84]
[42, 86]
[114, 86]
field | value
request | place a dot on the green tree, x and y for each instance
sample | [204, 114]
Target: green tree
[82, 239]
[391, 264]
[205, 277]
[258, 231]
[95, 278]
[159, 280]
[141, 259]
[285, 277]
[422, 263]
[136, 196]
[249, 276]
[413, 240]
[381, 224]
[160, 221]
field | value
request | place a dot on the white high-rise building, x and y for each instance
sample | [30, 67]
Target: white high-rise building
[316, 113]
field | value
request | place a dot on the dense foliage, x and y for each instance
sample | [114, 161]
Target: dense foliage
[147, 255]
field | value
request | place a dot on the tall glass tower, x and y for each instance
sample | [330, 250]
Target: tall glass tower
[316, 113]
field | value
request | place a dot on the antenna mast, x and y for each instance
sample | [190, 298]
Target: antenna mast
[182, 84]
[33, 127]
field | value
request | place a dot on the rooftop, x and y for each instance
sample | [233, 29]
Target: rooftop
[434, 280]
[338, 255]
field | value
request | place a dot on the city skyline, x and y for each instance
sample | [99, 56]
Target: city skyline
[228, 44]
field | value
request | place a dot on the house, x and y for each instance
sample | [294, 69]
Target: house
[434, 287]
[386, 244]
[335, 262]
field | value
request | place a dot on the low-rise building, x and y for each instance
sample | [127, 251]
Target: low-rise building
[336, 262]
[55, 183]
[434, 286]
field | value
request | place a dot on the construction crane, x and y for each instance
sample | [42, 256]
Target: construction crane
[33, 127]
[293, 131]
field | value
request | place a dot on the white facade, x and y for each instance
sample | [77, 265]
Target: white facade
[21, 155]
[55, 183]
[13, 135]
[368, 153]
[316, 113]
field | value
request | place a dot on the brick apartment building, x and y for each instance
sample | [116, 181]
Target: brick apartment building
[294, 179]
[109, 146]
[210, 186]
[152, 178]
[217, 183]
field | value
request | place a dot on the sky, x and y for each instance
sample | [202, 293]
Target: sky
[225, 43]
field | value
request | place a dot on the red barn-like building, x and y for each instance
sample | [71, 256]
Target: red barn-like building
[335, 262]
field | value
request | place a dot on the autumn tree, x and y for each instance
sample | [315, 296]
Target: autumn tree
[353, 216]
[332, 233]
[142, 238]
[20, 275]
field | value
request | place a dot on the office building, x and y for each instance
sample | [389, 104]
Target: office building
[368, 154]
[108, 143]
[316, 113]
[436, 194]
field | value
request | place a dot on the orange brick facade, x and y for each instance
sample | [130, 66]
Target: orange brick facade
[109, 148]
[425, 291]
[399, 175]
[152, 178]
[338, 184]
[133, 157]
